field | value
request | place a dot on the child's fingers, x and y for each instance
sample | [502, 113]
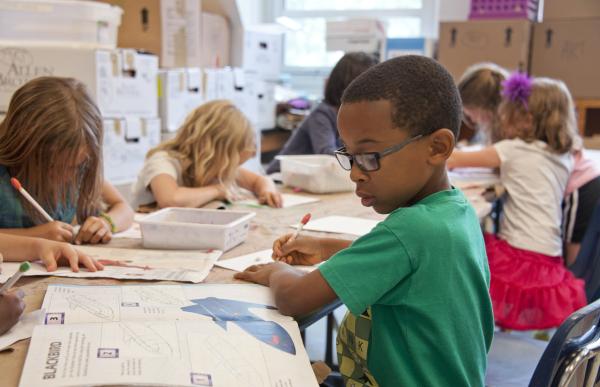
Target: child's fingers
[106, 238]
[90, 228]
[97, 237]
[98, 265]
[245, 276]
[70, 254]
[278, 245]
[87, 261]
[64, 235]
[49, 261]
[278, 199]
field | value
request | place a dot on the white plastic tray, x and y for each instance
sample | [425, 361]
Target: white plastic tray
[191, 228]
[315, 173]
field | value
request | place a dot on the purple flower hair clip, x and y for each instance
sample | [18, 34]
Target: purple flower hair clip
[517, 88]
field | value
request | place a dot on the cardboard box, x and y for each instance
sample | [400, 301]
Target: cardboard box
[180, 92]
[505, 42]
[260, 102]
[168, 28]
[126, 142]
[216, 41]
[562, 9]
[569, 50]
[263, 52]
[122, 82]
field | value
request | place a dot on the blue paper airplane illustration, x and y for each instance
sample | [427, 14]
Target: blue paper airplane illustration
[237, 312]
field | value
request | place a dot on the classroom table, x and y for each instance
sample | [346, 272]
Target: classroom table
[265, 227]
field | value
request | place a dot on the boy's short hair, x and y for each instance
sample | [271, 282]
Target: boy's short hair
[422, 93]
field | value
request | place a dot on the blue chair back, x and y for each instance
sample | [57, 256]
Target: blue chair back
[573, 351]
[587, 264]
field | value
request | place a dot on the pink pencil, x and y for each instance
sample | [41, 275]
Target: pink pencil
[15, 183]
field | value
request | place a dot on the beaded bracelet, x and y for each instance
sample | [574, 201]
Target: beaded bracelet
[111, 222]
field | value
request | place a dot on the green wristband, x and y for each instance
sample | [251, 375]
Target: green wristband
[105, 216]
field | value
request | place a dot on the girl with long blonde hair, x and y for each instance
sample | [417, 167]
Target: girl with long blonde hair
[530, 286]
[202, 162]
[51, 141]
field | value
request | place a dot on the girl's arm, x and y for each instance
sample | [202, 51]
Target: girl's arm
[120, 212]
[261, 186]
[168, 194]
[485, 158]
[17, 248]
[55, 231]
[99, 229]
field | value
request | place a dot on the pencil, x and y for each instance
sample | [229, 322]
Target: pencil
[15, 183]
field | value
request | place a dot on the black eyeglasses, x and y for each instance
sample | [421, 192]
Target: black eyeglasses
[369, 161]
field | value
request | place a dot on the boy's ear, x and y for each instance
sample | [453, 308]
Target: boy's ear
[441, 145]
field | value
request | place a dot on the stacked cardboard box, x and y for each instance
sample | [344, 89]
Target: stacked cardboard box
[122, 83]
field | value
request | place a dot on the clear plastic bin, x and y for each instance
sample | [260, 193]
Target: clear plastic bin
[192, 228]
[315, 173]
[89, 23]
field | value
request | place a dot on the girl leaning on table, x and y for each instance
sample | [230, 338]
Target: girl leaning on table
[530, 286]
[51, 141]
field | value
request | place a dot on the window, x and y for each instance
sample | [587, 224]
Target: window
[305, 48]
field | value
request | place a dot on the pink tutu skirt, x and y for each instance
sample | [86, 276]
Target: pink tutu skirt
[530, 290]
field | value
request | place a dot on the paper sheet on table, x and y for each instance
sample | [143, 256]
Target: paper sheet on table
[140, 264]
[243, 262]
[289, 200]
[22, 330]
[173, 335]
[341, 225]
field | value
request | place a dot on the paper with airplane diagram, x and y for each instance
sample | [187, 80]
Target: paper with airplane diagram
[174, 335]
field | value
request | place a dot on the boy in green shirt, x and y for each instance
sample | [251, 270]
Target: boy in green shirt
[417, 284]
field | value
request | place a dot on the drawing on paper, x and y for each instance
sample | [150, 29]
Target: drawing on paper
[157, 296]
[237, 312]
[146, 338]
[123, 263]
[91, 305]
[228, 358]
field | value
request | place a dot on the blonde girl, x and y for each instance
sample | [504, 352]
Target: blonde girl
[530, 286]
[480, 91]
[202, 162]
[51, 140]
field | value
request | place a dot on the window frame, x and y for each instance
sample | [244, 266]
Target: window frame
[428, 15]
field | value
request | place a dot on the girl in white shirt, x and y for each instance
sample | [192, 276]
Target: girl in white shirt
[530, 286]
[202, 162]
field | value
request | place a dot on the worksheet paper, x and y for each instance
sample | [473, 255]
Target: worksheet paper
[243, 262]
[22, 330]
[289, 200]
[139, 264]
[341, 225]
[174, 335]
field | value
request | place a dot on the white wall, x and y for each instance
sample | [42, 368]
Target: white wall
[454, 10]
[252, 11]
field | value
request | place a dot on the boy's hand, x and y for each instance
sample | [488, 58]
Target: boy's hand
[300, 251]
[55, 231]
[94, 230]
[259, 274]
[11, 309]
[54, 253]
[270, 197]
